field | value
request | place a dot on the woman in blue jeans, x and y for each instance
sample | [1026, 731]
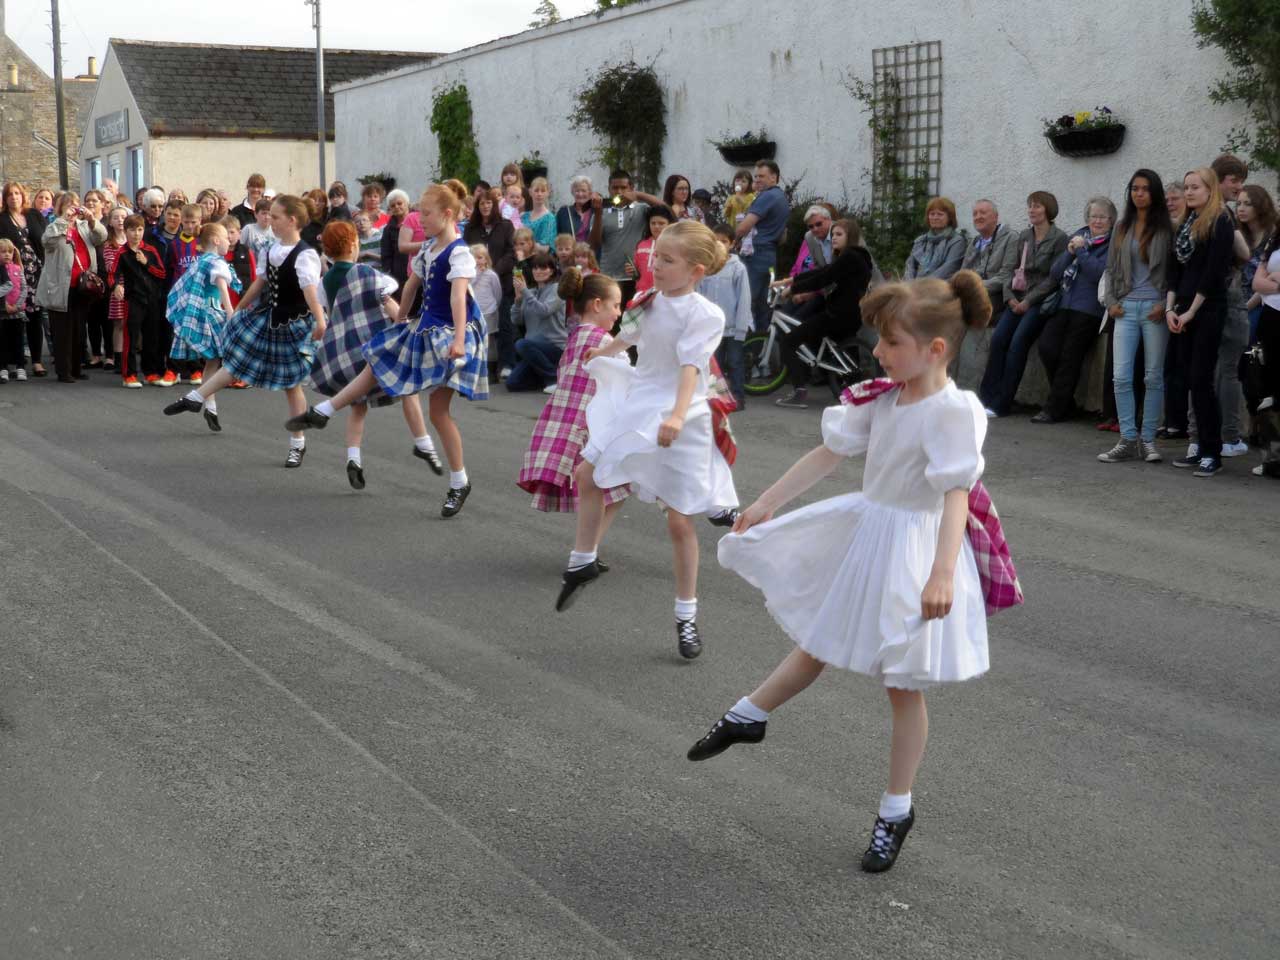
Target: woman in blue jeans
[1025, 292]
[1136, 283]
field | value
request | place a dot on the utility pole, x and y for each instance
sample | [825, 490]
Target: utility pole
[321, 127]
[59, 109]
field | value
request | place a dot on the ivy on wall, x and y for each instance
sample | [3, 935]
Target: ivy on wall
[451, 123]
[624, 106]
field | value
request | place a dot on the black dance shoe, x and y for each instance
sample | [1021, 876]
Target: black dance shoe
[1044, 416]
[454, 500]
[294, 459]
[886, 840]
[432, 458]
[604, 567]
[687, 640]
[183, 405]
[571, 581]
[355, 475]
[725, 518]
[306, 421]
[724, 735]
[211, 419]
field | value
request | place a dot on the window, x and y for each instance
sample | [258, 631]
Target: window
[94, 180]
[113, 168]
[137, 174]
[908, 93]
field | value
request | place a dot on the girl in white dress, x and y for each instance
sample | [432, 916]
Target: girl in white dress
[650, 426]
[882, 582]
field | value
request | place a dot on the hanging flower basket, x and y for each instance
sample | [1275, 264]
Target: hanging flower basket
[533, 170]
[1093, 142]
[747, 154]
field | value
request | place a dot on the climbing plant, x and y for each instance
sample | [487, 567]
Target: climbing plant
[451, 123]
[624, 106]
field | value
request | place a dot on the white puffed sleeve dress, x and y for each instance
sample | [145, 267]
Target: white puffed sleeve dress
[691, 476]
[843, 577]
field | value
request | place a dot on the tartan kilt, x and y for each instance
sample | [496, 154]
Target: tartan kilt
[340, 356]
[554, 452]
[407, 359]
[274, 358]
[198, 327]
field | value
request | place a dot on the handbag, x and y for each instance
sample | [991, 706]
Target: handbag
[1019, 282]
[88, 284]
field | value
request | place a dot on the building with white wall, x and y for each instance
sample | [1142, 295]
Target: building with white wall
[733, 66]
[194, 115]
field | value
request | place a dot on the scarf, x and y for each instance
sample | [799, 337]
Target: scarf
[583, 233]
[1091, 244]
[935, 250]
[1184, 244]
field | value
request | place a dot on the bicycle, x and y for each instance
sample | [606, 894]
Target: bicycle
[839, 364]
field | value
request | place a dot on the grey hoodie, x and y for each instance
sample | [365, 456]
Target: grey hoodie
[542, 312]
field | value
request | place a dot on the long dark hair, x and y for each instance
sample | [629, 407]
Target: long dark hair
[1157, 214]
[669, 189]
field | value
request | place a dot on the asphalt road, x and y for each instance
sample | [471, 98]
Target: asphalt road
[249, 713]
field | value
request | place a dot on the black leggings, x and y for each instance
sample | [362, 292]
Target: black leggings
[99, 329]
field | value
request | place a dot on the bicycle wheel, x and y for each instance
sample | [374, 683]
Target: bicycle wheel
[764, 370]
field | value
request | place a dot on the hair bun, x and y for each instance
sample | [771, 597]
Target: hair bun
[975, 304]
[570, 287]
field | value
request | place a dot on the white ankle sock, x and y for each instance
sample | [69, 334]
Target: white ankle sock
[895, 806]
[211, 405]
[297, 443]
[424, 443]
[353, 454]
[325, 408]
[744, 711]
[194, 395]
[457, 479]
[687, 609]
[579, 560]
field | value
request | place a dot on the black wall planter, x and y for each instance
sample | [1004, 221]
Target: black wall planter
[533, 171]
[1087, 143]
[745, 156]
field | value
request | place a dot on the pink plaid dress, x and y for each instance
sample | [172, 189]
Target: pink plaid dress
[555, 449]
[844, 576]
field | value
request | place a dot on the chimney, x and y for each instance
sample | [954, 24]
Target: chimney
[93, 66]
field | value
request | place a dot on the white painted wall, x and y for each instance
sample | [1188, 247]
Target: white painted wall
[290, 166]
[1006, 64]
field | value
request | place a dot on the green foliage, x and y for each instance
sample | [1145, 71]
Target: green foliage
[610, 4]
[624, 106]
[451, 123]
[387, 181]
[741, 140]
[1248, 34]
[544, 14]
[894, 215]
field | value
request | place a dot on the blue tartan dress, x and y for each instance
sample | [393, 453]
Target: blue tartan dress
[270, 346]
[195, 310]
[408, 358]
[355, 316]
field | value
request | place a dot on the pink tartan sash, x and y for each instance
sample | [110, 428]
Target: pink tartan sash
[1000, 586]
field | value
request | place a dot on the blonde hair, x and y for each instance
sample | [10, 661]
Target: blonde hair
[698, 244]
[479, 250]
[925, 309]
[209, 234]
[524, 233]
[541, 182]
[8, 245]
[1207, 216]
[582, 247]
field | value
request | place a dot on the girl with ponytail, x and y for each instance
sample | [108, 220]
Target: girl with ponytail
[884, 582]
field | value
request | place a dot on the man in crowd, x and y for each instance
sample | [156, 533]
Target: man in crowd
[758, 235]
[992, 253]
[616, 227]
[254, 189]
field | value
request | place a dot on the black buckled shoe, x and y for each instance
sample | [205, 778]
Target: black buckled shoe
[886, 840]
[306, 421]
[211, 419]
[725, 518]
[183, 405]
[355, 475]
[454, 500]
[687, 640]
[724, 735]
[432, 458]
[571, 581]
[294, 459]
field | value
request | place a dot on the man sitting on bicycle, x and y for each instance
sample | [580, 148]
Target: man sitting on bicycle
[844, 282]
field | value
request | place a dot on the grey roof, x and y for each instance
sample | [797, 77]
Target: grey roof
[192, 89]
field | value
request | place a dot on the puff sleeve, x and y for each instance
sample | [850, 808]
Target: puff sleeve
[953, 444]
[701, 335]
[307, 266]
[846, 429]
[462, 263]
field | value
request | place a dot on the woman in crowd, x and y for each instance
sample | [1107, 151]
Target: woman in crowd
[394, 263]
[1266, 282]
[1073, 328]
[489, 227]
[939, 252]
[538, 216]
[317, 203]
[1020, 325]
[576, 218]
[1175, 382]
[97, 322]
[1256, 216]
[23, 226]
[677, 194]
[1196, 308]
[71, 245]
[1136, 282]
[207, 201]
[371, 203]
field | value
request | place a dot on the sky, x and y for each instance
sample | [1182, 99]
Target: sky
[414, 25]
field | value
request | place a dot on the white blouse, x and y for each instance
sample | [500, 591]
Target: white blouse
[307, 266]
[462, 262]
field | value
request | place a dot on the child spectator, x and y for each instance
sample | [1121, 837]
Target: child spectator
[369, 238]
[240, 258]
[564, 252]
[139, 281]
[257, 236]
[539, 217]
[486, 287]
[739, 202]
[657, 219]
[730, 290]
[584, 258]
[514, 202]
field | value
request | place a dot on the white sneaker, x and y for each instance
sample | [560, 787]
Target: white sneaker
[21, 375]
[549, 388]
[1239, 448]
[1266, 404]
[1193, 450]
[504, 373]
[1257, 471]
[991, 414]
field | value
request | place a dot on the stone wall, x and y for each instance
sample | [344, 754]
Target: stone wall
[29, 121]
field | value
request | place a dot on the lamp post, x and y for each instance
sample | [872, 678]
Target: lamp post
[321, 130]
